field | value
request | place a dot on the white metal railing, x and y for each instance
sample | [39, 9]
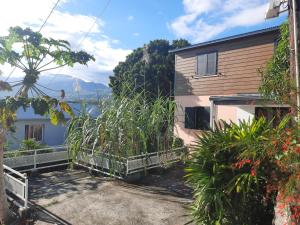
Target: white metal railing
[121, 166]
[102, 162]
[16, 184]
[38, 158]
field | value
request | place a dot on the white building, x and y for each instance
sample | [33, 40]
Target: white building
[29, 125]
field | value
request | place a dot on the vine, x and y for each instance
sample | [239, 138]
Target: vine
[276, 83]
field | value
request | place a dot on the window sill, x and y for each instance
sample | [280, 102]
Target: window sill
[196, 130]
[206, 76]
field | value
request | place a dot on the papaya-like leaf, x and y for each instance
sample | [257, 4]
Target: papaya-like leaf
[57, 117]
[66, 108]
[54, 116]
[40, 106]
[5, 86]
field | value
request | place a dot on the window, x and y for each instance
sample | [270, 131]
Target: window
[197, 118]
[272, 113]
[207, 64]
[34, 131]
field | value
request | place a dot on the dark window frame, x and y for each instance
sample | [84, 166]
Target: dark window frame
[197, 118]
[198, 75]
[34, 131]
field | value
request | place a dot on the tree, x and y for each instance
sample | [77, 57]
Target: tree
[33, 54]
[150, 68]
[276, 82]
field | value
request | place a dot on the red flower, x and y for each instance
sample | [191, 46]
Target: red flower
[241, 163]
[284, 147]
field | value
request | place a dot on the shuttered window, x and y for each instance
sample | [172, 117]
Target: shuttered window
[197, 118]
[34, 132]
[207, 64]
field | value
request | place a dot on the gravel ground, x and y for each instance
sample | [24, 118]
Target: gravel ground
[75, 197]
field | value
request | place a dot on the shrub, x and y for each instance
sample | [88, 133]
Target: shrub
[30, 144]
[229, 173]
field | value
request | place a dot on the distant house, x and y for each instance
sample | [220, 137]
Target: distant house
[218, 80]
[29, 125]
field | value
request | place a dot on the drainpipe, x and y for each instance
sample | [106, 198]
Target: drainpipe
[212, 114]
[295, 23]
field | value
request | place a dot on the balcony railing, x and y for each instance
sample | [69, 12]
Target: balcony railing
[101, 162]
[37, 159]
[16, 185]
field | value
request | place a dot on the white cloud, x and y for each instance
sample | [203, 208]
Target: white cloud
[64, 25]
[136, 34]
[130, 18]
[204, 20]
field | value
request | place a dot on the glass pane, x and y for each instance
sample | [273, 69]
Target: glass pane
[201, 64]
[26, 132]
[203, 118]
[189, 118]
[212, 63]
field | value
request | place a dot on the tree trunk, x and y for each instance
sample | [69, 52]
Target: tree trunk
[3, 199]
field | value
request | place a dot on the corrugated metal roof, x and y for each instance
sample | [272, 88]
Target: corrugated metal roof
[217, 41]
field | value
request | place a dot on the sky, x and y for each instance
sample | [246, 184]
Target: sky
[111, 29]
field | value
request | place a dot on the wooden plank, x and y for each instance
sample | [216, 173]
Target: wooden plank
[242, 44]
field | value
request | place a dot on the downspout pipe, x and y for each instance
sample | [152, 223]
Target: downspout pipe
[294, 5]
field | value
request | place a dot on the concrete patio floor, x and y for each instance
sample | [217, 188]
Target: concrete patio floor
[76, 197]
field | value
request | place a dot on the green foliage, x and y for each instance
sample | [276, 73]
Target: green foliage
[37, 54]
[41, 106]
[229, 183]
[127, 126]
[5, 86]
[276, 82]
[30, 144]
[35, 50]
[150, 68]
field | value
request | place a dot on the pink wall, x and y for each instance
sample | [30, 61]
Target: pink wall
[227, 113]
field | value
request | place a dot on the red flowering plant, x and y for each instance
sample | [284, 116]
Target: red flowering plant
[226, 174]
[237, 171]
[285, 154]
[275, 160]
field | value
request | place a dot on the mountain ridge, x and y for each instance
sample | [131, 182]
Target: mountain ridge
[75, 88]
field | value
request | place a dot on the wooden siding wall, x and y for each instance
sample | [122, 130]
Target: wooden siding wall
[238, 61]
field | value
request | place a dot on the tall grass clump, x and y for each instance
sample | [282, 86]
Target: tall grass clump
[128, 125]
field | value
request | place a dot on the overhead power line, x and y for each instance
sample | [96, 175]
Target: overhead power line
[46, 20]
[95, 21]
[43, 25]
[88, 32]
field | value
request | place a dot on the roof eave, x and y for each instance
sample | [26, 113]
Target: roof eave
[230, 38]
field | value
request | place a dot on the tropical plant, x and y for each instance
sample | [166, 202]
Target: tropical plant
[229, 173]
[33, 54]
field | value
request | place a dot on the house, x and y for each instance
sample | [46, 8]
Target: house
[31, 126]
[219, 80]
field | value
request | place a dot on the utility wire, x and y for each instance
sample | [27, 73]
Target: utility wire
[46, 20]
[95, 21]
[50, 89]
[88, 32]
[43, 25]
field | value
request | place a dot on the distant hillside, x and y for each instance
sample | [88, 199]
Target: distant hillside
[54, 83]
